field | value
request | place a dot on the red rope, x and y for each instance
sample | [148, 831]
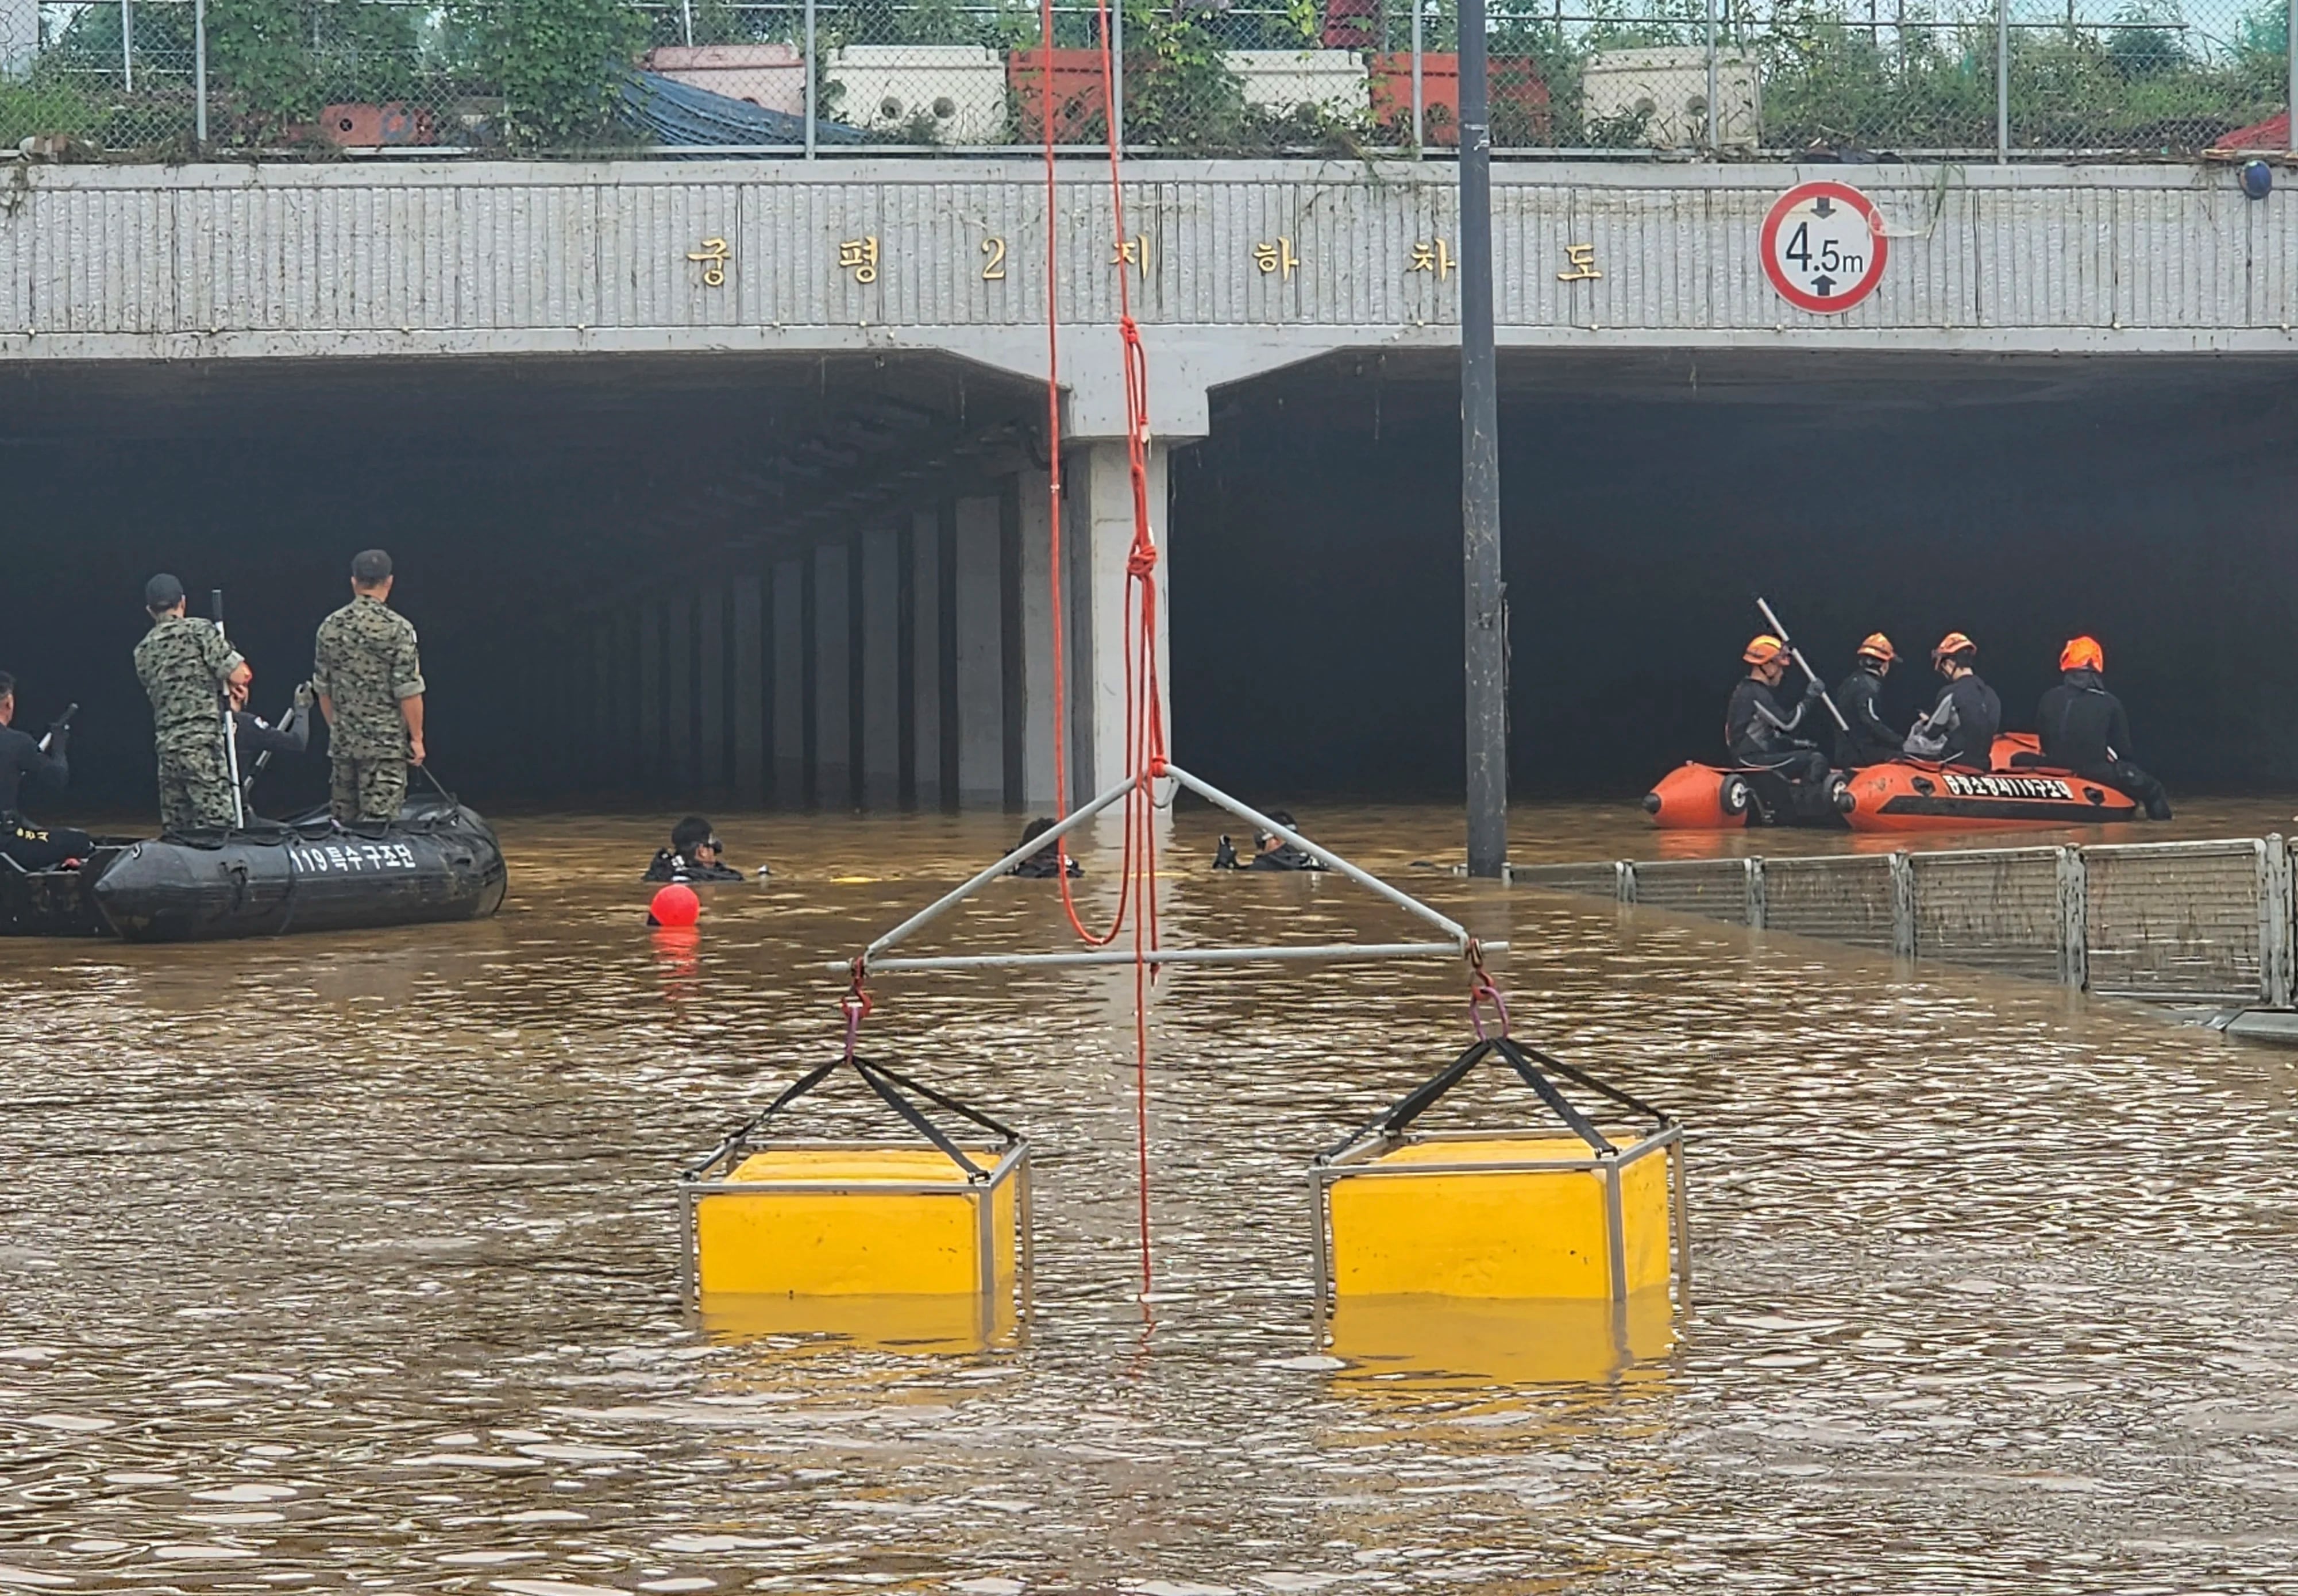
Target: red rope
[1144, 721]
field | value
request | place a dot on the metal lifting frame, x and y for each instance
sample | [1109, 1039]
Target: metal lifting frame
[1458, 946]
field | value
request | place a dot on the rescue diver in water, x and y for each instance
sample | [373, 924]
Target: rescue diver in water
[1961, 727]
[694, 854]
[1756, 732]
[1046, 864]
[21, 757]
[2085, 730]
[1870, 740]
[1269, 851]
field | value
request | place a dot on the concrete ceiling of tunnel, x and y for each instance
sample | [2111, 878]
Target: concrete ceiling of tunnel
[1832, 382]
[621, 471]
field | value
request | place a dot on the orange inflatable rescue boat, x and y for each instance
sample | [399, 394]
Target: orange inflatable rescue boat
[1905, 795]
[2019, 793]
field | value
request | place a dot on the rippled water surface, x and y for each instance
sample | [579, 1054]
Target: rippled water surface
[349, 1262]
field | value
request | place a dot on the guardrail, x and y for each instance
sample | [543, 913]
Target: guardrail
[2164, 921]
[1964, 79]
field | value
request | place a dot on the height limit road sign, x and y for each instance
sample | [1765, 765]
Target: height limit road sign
[1824, 246]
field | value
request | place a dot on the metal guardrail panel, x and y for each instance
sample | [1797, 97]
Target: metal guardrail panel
[1846, 899]
[2176, 918]
[1591, 880]
[1715, 888]
[1996, 909]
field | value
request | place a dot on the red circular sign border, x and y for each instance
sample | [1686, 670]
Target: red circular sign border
[1859, 291]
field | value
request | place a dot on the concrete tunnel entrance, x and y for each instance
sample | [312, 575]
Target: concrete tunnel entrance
[591, 546]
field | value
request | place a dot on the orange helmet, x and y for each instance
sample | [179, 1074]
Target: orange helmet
[1951, 645]
[1763, 649]
[2082, 654]
[1877, 647]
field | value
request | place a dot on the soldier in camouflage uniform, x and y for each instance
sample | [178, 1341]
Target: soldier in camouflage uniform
[185, 665]
[370, 683]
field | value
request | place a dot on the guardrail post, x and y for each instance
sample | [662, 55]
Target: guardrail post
[1625, 874]
[2074, 918]
[2276, 977]
[1758, 907]
[1903, 906]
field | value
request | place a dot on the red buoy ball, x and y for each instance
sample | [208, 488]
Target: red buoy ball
[675, 905]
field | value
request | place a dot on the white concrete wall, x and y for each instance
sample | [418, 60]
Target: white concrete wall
[834, 751]
[881, 686]
[789, 643]
[925, 579]
[750, 688]
[1105, 545]
[981, 663]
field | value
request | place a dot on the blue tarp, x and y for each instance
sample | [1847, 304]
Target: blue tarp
[673, 113]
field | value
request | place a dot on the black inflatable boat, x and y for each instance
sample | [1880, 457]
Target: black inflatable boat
[438, 861]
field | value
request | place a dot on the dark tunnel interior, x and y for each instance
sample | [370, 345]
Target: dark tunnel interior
[1314, 540]
[1646, 500]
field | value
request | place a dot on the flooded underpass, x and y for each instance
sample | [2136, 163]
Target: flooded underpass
[352, 1264]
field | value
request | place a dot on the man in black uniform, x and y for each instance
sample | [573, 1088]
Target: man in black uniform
[2085, 730]
[257, 737]
[1756, 730]
[1960, 730]
[1269, 851]
[33, 847]
[1870, 741]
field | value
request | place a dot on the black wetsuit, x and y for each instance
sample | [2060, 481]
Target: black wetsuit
[1870, 741]
[1045, 865]
[668, 866]
[1282, 857]
[30, 846]
[1756, 735]
[257, 736]
[2085, 730]
[1960, 728]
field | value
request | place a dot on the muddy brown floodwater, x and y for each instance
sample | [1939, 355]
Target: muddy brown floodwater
[348, 1263]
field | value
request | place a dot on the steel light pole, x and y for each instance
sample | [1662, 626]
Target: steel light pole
[1486, 662]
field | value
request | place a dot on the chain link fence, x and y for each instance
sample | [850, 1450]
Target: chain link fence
[1834, 80]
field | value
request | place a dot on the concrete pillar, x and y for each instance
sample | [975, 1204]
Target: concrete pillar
[1102, 546]
[1037, 640]
[926, 634]
[677, 676]
[651, 754]
[833, 671]
[789, 673]
[710, 689]
[881, 549]
[749, 689]
[978, 633]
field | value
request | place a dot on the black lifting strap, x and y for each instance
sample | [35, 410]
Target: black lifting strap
[889, 1087]
[1425, 1096]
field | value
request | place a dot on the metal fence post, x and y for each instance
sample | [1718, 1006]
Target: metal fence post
[1117, 76]
[1714, 117]
[2290, 55]
[2002, 82]
[2074, 919]
[812, 111]
[2278, 960]
[1903, 906]
[1758, 903]
[686, 16]
[1419, 113]
[127, 46]
[199, 74]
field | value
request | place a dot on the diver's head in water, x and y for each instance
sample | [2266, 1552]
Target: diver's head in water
[1268, 842]
[696, 841]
